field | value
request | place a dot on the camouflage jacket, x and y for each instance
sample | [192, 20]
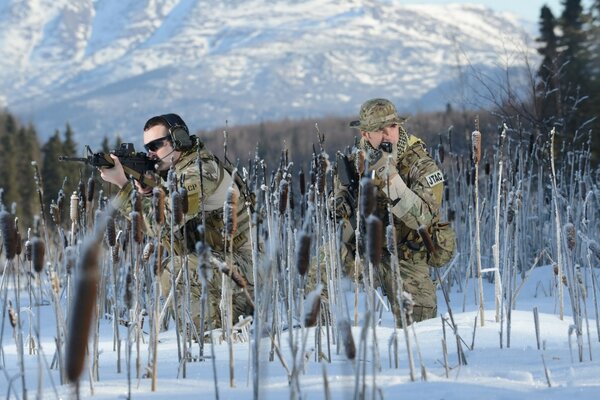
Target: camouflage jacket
[420, 173]
[208, 190]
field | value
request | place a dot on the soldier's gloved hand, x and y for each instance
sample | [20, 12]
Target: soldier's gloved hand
[383, 163]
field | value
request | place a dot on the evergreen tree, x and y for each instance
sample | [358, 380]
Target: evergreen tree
[547, 93]
[28, 150]
[575, 78]
[52, 171]
[8, 179]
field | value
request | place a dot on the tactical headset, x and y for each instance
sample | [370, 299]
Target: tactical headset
[179, 133]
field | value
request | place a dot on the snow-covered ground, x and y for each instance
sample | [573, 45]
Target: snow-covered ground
[492, 371]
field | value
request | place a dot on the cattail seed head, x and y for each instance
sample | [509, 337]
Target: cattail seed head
[55, 213]
[347, 339]
[9, 234]
[368, 196]
[302, 180]
[111, 231]
[128, 296]
[390, 238]
[74, 208]
[476, 141]
[487, 168]
[374, 239]
[183, 194]
[360, 162]
[38, 250]
[137, 223]
[70, 258]
[82, 311]
[28, 250]
[19, 248]
[571, 235]
[158, 203]
[91, 189]
[136, 201]
[148, 250]
[303, 253]
[313, 308]
[230, 212]
[177, 208]
[239, 279]
[157, 266]
[81, 192]
[12, 315]
[283, 196]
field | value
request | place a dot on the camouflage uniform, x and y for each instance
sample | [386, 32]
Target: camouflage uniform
[425, 183]
[215, 182]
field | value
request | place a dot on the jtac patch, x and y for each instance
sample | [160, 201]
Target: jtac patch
[435, 178]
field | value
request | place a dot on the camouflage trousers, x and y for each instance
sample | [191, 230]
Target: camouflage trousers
[414, 272]
[241, 305]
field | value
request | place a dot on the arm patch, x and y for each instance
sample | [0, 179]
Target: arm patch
[435, 178]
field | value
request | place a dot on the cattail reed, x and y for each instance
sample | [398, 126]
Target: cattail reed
[230, 212]
[177, 208]
[74, 208]
[374, 239]
[360, 162]
[347, 339]
[81, 192]
[148, 250]
[158, 204]
[368, 196]
[571, 235]
[136, 201]
[9, 234]
[313, 309]
[303, 253]
[283, 196]
[302, 182]
[111, 231]
[12, 315]
[183, 195]
[38, 249]
[82, 312]
[19, 241]
[91, 189]
[239, 279]
[55, 213]
[476, 142]
[28, 250]
[137, 223]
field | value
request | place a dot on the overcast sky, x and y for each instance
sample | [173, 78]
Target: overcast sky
[529, 9]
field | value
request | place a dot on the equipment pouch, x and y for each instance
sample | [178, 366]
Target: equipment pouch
[444, 243]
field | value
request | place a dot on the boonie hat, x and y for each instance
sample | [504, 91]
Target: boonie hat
[376, 114]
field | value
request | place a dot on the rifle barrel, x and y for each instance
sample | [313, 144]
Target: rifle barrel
[80, 159]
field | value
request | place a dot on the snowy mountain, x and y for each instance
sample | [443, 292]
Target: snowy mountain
[105, 66]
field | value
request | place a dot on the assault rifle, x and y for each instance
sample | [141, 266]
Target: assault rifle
[135, 164]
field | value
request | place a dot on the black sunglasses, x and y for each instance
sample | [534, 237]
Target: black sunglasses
[156, 144]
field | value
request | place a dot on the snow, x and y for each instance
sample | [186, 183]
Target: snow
[492, 371]
[58, 58]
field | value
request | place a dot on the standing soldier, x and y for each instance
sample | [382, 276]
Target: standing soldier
[167, 140]
[407, 180]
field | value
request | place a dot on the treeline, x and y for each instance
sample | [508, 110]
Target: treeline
[22, 154]
[299, 139]
[568, 78]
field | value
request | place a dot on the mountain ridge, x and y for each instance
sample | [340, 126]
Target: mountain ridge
[105, 66]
